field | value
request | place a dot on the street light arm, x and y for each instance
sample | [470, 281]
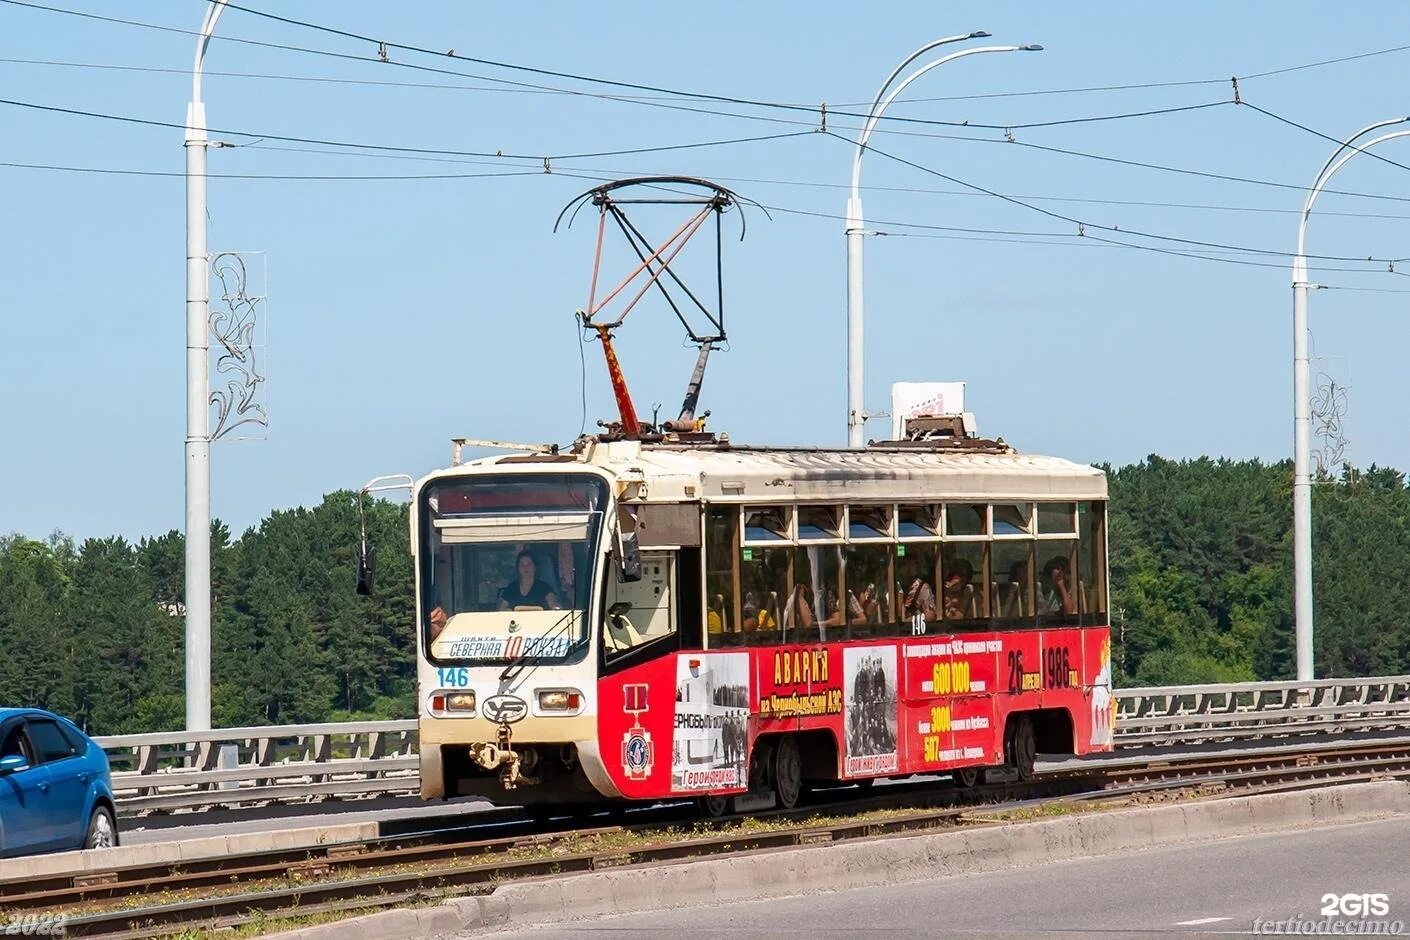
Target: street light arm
[880, 108]
[207, 28]
[935, 44]
[1334, 163]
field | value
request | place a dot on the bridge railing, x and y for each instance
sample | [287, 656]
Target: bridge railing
[301, 763]
[276, 764]
[1247, 710]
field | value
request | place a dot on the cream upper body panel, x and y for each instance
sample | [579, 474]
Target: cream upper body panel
[666, 473]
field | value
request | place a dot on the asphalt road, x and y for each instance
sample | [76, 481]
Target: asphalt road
[1214, 888]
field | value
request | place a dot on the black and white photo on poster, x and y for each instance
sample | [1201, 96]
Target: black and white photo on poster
[712, 716]
[869, 721]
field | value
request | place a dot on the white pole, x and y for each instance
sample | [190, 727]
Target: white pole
[1302, 474]
[198, 446]
[856, 230]
[1302, 403]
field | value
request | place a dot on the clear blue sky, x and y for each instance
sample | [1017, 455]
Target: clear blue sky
[407, 312]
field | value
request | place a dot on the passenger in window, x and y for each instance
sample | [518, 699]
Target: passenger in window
[768, 614]
[527, 592]
[917, 600]
[1057, 591]
[833, 609]
[715, 619]
[958, 574]
[866, 608]
[437, 619]
[799, 612]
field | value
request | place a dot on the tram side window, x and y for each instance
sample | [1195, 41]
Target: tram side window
[1091, 535]
[965, 569]
[1011, 587]
[966, 519]
[915, 581]
[763, 579]
[868, 574]
[1059, 582]
[721, 578]
[814, 608]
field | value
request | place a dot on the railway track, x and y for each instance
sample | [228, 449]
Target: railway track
[155, 900]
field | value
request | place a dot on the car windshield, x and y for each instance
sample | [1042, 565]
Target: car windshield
[507, 565]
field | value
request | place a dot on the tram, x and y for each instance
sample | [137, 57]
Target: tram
[645, 621]
[658, 613]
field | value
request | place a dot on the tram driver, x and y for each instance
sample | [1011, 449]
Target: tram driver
[526, 591]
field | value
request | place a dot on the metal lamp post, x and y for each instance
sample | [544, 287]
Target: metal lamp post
[198, 445]
[1302, 399]
[856, 416]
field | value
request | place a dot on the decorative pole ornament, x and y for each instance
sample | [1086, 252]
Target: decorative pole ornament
[239, 326]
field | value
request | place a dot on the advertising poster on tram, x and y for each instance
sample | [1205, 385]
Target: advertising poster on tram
[711, 721]
[869, 719]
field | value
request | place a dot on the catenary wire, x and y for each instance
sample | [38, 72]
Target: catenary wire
[1084, 224]
[821, 184]
[127, 119]
[1328, 137]
[634, 86]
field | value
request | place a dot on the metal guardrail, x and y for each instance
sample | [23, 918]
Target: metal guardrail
[276, 764]
[1249, 710]
[304, 763]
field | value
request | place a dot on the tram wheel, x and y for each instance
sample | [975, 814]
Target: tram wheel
[968, 777]
[1021, 746]
[715, 806]
[788, 772]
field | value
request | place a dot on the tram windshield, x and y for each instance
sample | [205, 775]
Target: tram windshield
[507, 565]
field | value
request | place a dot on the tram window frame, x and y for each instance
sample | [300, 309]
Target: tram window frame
[985, 526]
[1070, 551]
[749, 584]
[933, 528]
[1024, 532]
[728, 548]
[1040, 531]
[833, 532]
[874, 551]
[1094, 612]
[883, 534]
[782, 535]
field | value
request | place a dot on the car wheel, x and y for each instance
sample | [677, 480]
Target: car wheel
[102, 830]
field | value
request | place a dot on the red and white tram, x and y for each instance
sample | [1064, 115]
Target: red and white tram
[647, 621]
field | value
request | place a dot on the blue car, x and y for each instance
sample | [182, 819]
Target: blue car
[55, 789]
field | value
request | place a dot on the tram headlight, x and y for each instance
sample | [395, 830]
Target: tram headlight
[460, 702]
[560, 700]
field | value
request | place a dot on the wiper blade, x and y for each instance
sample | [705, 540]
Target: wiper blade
[516, 665]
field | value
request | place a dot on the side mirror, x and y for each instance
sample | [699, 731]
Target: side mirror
[13, 764]
[366, 567]
[628, 547]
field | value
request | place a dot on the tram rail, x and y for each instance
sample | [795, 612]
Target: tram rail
[243, 767]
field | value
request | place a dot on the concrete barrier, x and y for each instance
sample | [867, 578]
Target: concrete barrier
[61, 864]
[873, 862]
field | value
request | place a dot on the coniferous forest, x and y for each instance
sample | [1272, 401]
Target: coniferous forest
[1201, 570]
